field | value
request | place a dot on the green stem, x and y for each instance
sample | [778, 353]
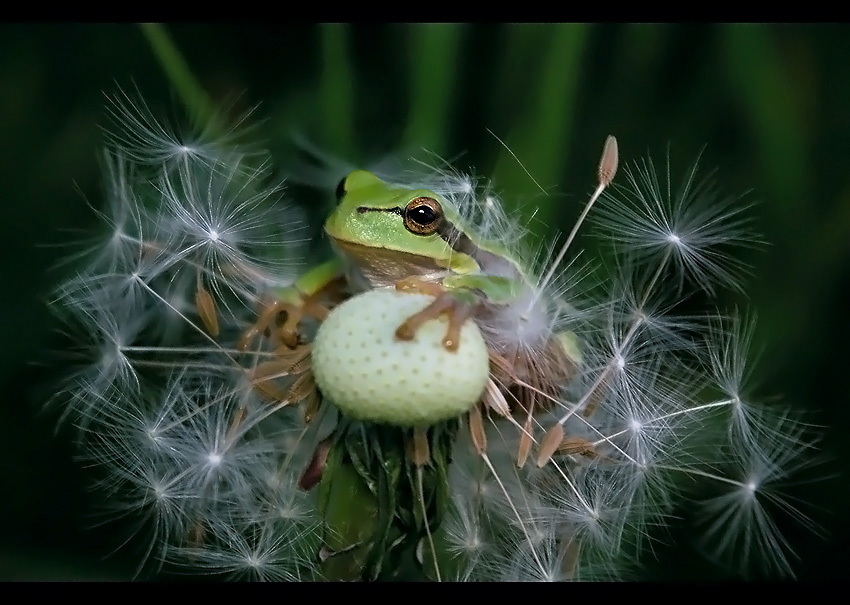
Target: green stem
[377, 505]
[337, 94]
[433, 66]
[195, 100]
[541, 138]
[767, 94]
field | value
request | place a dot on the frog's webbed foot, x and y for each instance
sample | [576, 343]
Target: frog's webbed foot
[456, 308]
[283, 319]
[309, 307]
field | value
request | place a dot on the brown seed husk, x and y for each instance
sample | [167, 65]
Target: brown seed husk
[420, 451]
[311, 407]
[301, 388]
[476, 430]
[525, 441]
[269, 370]
[495, 400]
[550, 444]
[207, 311]
[578, 445]
[609, 161]
[270, 390]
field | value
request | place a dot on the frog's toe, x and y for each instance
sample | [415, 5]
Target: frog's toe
[420, 286]
[293, 314]
[457, 314]
[289, 329]
[455, 310]
[266, 317]
[283, 320]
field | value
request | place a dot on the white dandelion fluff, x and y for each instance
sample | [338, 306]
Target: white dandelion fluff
[607, 404]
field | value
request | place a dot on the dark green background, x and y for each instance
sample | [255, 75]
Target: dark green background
[770, 103]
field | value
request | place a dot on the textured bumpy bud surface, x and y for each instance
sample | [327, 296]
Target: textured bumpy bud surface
[362, 367]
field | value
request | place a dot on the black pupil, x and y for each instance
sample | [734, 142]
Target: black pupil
[423, 215]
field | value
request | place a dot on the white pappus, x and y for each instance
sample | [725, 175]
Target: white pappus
[608, 405]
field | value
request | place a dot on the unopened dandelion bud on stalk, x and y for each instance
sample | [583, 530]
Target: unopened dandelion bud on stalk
[609, 161]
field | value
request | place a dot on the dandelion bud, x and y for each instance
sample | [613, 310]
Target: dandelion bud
[363, 368]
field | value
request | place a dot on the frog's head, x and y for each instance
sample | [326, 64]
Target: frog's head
[391, 230]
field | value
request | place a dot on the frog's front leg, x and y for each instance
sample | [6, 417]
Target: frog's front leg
[457, 305]
[302, 299]
[458, 298]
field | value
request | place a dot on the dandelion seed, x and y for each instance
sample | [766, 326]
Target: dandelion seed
[142, 137]
[740, 520]
[698, 227]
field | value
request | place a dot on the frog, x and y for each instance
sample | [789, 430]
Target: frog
[390, 235]
[386, 235]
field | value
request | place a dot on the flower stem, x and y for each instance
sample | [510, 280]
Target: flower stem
[195, 100]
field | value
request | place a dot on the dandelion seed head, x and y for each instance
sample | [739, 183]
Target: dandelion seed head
[655, 402]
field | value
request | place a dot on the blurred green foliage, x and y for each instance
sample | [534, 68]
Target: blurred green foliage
[768, 104]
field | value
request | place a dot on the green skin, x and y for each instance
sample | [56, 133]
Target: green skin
[372, 507]
[377, 249]
[369, 231]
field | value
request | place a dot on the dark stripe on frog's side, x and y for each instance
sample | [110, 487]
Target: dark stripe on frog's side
[459, 242]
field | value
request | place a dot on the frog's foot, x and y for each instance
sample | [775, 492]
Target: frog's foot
[420, 286]
[289, 330]
[283, 319]
[445, 303]
[267, 316]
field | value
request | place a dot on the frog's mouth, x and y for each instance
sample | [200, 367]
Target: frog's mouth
[382, 267]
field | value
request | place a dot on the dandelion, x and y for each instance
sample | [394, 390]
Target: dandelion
[596, 407]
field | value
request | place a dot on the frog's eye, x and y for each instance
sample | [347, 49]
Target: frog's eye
[423, 216]
[340, 189]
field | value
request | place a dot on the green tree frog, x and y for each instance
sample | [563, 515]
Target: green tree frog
[416, 239]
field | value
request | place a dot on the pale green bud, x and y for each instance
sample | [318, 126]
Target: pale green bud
[362, 367]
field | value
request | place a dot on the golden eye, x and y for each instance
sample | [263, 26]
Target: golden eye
[423, 216]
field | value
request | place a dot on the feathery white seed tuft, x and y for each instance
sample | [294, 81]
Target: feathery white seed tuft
[194, 441]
